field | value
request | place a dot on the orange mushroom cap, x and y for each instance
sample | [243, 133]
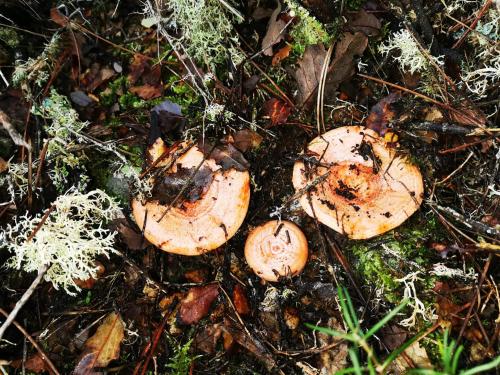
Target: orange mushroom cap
[193, 228]
[359, 186]
[276, 248]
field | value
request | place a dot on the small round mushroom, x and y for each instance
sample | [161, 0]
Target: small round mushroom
[356, 184]
[276, 248]
[195, 227]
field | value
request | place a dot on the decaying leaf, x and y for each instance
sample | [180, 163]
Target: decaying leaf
[246, 139]
[104, 345]
[139, 63]
[342, 67]
[416, 354]
[275, 31]
[3, 165]
[131, 237]
[281, 54]
[90, 282]
[196, 304]
[240, 300]
[364, 22]
[102, 76]
[334, 359]
[206, 339]
[467, 114]
[250, 344]
[277, 110]
[308, 72]
[34, 363]
[382, 113]
[147, 91]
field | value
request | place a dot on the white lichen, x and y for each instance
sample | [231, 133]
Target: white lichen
[417, 306]
[15, 178]
[68, 242]
[410, 57]
[441, 270]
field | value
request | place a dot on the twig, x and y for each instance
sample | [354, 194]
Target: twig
[481, 13]
[24, 298]
[43, 355]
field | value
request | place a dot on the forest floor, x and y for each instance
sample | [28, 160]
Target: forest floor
[86, 87]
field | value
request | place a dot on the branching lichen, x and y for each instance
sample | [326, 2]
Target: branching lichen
[411, 58]
[68, 241]
[15, 178]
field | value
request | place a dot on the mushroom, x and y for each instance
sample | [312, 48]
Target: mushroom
[356, 184]
[194, 226]
[276, 248]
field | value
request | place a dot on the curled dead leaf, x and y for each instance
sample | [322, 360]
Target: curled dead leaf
[240, 300]
[104, 345]
[147, 91]
[196, 304]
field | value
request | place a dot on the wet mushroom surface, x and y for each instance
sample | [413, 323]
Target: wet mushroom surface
[276, 249]
[353, 182]
[197, 203]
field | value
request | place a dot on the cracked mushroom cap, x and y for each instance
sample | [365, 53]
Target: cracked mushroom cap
[276, 248]
[357, 185]
[195, 227]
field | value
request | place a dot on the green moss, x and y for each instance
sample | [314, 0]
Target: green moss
[307, 31]
[382, 260]
[9, 37]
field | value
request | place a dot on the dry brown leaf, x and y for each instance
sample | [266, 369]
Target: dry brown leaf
[364, 22]
[275, 31]
[334, 359]
[342, 67]
[382, 113]
[35, 364]
[103, 75]
[3, 165]
[240, 300]
[58, 18]
[308, 72]
[246, 139]
[466, 114]
[281, 54]
[277, 110]
[147, 91]
[197, 303]
[139, 63]
[416, 354]
[104, 345]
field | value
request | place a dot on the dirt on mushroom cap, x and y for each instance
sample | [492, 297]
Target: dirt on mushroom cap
[356, 184]
[193, 227]
[276, 248]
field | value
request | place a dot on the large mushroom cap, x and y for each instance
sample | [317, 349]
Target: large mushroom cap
[276, 248]
[195, 227]
[357, 185]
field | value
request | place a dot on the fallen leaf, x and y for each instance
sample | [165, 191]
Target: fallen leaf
[277, 110]
[34, 363]
[132, 238]
[240, 300]
[466, 114]
[147, 91]
[417, 355]
[365, 22]
[206, 340]
[104, 345]
[382, 114]
[196, 276]
[58, 18]
[334, 359]
[249, 343]
[166, 120]
[308, 72]
[139, 63]
[291, 317]
[342, 67]
[3, 165]
[90, 282]
[196, 304]
[102, 76]
[246, 139]
[274, 34]
[281, 54]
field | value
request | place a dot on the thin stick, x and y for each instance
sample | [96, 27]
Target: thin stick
[24, 298]
[43, 355]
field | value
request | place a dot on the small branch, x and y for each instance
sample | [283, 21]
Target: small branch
[43, 355]
[25, 297]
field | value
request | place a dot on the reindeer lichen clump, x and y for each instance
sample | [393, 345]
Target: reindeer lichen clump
[67, 239]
